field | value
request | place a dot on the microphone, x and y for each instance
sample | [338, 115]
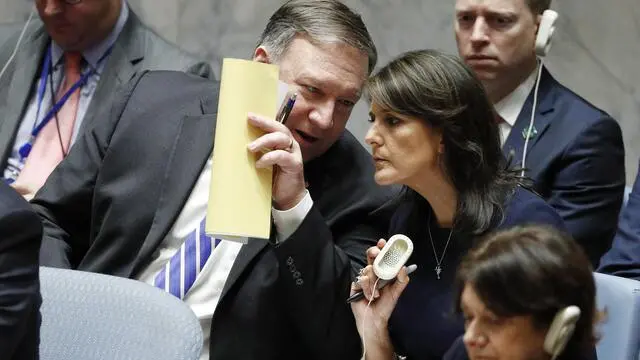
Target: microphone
[388, 263]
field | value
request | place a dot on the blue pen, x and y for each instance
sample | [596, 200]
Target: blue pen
[286, 109]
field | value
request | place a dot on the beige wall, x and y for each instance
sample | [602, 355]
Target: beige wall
[596, 48]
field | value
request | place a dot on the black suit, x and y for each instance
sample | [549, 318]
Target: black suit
[110, 203]
[20, 235]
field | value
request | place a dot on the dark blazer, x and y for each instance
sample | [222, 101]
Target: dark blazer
[423, 324]
[576, 161]
[110, 203]
[137, 48]
[623, 259]
[20, 236]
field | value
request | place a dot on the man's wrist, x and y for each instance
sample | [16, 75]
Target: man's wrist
[290, 203]
[288, 221]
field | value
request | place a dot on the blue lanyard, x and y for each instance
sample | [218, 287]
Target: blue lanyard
[42, 86]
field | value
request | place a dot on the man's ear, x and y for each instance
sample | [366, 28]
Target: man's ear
[261, 55]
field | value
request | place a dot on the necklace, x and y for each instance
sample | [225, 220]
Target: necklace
[438, 268]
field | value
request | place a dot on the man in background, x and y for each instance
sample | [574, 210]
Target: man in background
[67, 68]
[575, 154]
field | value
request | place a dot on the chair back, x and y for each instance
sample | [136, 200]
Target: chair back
[92, 316]
[620, 331]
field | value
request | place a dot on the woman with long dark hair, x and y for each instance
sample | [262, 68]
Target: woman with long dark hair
[434, 131]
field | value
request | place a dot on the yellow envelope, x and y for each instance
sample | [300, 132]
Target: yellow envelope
[240, 196]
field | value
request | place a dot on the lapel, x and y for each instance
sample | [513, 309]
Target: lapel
[192, 147]
[514, 145]
[26, 66]
[121, 66]
[244, 258]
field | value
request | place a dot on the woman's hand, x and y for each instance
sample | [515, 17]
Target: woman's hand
[373, 311]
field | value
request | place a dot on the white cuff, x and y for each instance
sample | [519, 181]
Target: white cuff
[288, 221]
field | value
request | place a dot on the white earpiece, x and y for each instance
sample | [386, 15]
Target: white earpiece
[545, 32]
[392, 257]
[386, 266]
[561, 330]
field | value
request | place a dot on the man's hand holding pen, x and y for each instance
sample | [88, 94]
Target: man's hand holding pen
[278, 147]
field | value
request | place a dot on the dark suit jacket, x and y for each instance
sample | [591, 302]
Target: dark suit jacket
[576, 162]
[20, 236]
[110, 203]
[623, 259]
[137, 48]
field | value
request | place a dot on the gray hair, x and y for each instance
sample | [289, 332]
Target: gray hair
[322, 22]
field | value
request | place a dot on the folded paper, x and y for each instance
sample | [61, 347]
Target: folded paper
[239, 204]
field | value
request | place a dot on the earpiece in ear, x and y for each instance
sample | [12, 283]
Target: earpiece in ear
[561, 330]
[545, 32]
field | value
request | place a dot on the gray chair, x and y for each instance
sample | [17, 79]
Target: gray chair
[621, 329]
[87, 316]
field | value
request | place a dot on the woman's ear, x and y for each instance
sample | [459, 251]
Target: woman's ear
[441, 146]
[261, 55]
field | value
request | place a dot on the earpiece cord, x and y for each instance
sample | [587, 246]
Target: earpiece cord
[15, 49]
[533, 114]
[364, 318]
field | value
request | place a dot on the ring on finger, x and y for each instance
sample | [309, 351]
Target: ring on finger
[290, 147]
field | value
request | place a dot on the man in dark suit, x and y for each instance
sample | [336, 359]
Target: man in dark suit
[109, 45]
[132, 195]
[575, 154]
[623, 259]
[20, 236]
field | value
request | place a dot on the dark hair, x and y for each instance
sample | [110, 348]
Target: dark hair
[322, 22]
[537, 271]
[443, 92]
[538, 6]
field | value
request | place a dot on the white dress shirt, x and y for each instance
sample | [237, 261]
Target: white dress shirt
[205, 293]
[510, 106]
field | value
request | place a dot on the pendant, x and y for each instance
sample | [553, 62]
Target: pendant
[438, 270]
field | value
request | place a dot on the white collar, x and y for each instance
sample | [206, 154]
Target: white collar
[510, 106]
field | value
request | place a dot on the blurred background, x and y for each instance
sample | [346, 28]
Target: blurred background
[596, 48]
